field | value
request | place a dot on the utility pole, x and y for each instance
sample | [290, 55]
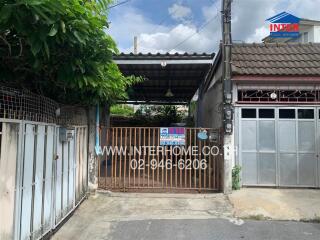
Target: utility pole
[227, 95]
[226, 55]
[135, 45]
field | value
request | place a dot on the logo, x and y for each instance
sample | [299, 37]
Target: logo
[284, 25]
[164, 131]
[202, 135]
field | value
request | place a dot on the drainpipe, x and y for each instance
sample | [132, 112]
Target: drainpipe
[199, 107]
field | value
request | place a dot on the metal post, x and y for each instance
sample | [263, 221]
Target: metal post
[97, 125]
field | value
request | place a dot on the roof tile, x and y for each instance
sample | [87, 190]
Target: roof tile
[276, 59]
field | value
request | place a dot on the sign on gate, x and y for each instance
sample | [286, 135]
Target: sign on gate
[172, 136]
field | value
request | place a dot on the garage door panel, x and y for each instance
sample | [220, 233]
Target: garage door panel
[267, 168]
[249, 161]
[287, 136]
[307, 169]
[306, 136]
[267, 135]
[249, 135]
[288, 169]
[281, 150]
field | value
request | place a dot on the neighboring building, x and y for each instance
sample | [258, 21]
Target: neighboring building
[276, 98]
[309, 32]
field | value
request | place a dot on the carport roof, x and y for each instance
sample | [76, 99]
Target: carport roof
[182, 73]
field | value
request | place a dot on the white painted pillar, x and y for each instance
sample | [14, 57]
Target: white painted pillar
[228, 162]
[92, 159]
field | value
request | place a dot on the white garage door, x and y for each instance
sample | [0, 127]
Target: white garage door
[279, 146]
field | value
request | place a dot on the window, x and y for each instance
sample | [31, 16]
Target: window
[248, 113]
[266, 113]
[305, 114]
[287, 113]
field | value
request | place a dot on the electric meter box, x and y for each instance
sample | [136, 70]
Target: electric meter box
[65, 134]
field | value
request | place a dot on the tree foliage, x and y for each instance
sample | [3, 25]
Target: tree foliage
[122, 110]
[162, 115]
[60, 48]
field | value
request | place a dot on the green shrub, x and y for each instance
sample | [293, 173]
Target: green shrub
[122, 110]
[236, 177]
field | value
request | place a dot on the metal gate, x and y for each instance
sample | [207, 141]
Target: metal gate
[42, 180]
[279, 146]
[133, 158]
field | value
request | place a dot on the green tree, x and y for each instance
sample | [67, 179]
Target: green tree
[60, 48]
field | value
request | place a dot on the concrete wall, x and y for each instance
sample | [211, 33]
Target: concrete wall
[211, 116]
[71, 115]
[317, 34]
[211, 107]
[86, 116]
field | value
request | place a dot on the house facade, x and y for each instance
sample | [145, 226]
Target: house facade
[276, 99]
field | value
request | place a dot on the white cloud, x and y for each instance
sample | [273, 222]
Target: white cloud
[180, 12]
[165, 42]
[248, 25]
[129, 22]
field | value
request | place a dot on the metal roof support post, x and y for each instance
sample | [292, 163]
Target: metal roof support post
[227, 92]
[97, 125]
[199, 107]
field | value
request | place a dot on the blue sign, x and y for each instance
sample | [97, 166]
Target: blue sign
[172, 136]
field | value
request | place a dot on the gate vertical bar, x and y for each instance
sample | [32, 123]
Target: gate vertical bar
[125, 159]
[112, 158]
[120, 157]
[144, 164]
[153, 145]
[106, 158]
[193, 160]
[130, 155]
[134, 157]
[199, 160]
[190, 157]
[148, 152]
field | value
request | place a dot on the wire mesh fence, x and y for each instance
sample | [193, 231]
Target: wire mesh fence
[24, 105]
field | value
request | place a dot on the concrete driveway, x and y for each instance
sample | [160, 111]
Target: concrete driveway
[195, 216]
[277, 204]
[97, 215]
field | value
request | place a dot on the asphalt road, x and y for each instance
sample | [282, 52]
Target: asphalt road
[220, 229]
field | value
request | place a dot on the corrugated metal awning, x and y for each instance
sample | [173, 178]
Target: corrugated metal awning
[182, 73]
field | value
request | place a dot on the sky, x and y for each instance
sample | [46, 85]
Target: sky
[194, 25]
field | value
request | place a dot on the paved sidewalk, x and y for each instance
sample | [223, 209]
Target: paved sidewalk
[279, 204]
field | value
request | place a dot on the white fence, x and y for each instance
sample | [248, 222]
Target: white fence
[42, 179]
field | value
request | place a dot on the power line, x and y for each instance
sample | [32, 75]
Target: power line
[118, 4]
[197, 31]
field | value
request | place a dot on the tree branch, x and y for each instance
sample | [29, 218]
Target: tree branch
[6, 42]
[21, 47]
